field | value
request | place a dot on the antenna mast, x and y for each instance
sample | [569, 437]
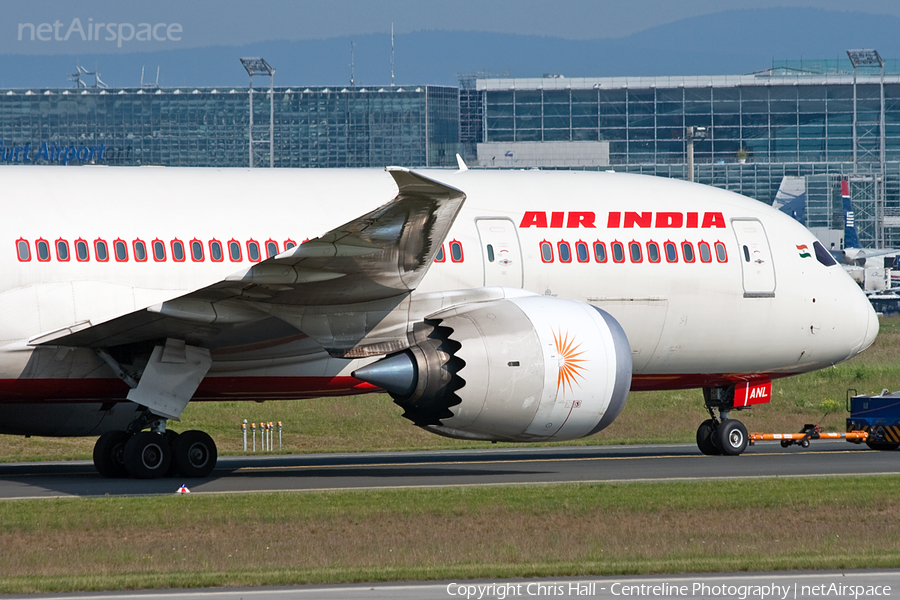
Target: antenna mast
[392, 55]
[351, 63]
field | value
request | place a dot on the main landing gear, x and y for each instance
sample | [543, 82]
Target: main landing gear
[155, 453]
[167, 382]
[721, 435]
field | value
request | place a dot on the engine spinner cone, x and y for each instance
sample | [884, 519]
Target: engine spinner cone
[396, 374]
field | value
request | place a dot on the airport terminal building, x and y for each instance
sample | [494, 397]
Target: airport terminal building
[821, 120]
[208, 127]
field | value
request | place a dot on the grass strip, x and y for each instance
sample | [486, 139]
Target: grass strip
[82, 544]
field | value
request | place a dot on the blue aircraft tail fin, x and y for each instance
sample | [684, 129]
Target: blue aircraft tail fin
[851, 238]
[791, 197]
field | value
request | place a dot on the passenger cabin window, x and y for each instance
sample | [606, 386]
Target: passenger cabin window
[490, 253]
[101, 252]
[159, 250]
[671, 252]
[823, 255]
[565, 253]
[581, 252]
[546, 252]
[177, 250]
[121, 250]
[653, 252]
[81, 250]
[43, 250]
[600, 252]
[721, 255]
[196, 250]
[687, 251]
[23, 250]
[253, 251]
[705, 254]
[234, 251]
[439, 257]
[634, 249]
[62, 250]
[618, 252]
[215, 251]
[271, 248]
[140, 250]
[456, 251]
[288, 244]
[746, 254]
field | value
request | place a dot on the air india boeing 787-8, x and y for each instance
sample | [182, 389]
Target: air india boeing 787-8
[492, 305]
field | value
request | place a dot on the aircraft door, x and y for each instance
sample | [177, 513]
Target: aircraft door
[756, 258]
[501, 252]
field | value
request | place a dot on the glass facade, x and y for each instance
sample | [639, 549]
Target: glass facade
[762, 118]
[313, 127]
[471, 121]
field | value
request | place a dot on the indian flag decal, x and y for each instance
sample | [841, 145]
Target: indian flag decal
[803, 249]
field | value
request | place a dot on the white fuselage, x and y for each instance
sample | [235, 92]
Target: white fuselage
[690, 323]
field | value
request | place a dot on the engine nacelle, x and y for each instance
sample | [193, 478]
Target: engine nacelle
[522, 369]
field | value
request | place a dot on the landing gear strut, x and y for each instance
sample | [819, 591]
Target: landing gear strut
[721, 435]
[167, 382]
[155, 453]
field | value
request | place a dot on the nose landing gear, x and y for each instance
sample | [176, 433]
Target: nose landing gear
[705, 437]
[732, 436]
[722, 435]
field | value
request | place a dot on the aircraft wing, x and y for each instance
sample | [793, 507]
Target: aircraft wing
[857, 257]
[863, 253]
[379, 256]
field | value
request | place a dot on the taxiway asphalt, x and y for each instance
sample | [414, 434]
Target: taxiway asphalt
[495, 466]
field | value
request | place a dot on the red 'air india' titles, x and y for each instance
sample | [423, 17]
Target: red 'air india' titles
[659, 220]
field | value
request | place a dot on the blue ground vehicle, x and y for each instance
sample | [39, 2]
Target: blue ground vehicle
[879, 415]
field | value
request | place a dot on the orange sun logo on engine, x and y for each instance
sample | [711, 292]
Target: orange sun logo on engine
[569, 364]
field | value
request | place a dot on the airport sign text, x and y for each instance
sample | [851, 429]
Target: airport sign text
[51, 153]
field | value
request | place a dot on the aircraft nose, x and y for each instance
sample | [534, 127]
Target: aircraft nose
[871, 328]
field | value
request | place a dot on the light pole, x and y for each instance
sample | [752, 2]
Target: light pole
[869, 59]
[258, 66]
[691, 134]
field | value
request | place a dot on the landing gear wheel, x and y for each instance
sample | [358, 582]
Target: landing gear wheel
[732, 437]
[172, 436]
[148, 455]
[195, 454]
[109, 454]
[706, 438]
[882, 445]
